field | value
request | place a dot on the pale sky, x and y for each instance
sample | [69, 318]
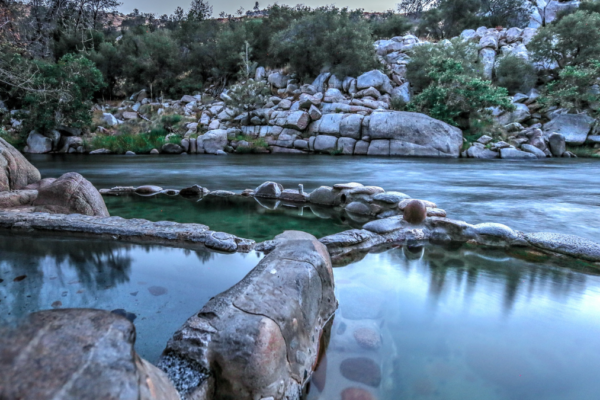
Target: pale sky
[160, 7]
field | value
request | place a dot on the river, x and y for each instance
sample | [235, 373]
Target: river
[555, 195]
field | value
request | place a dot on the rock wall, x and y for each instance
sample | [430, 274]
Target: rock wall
[260, 339]
[77, 354]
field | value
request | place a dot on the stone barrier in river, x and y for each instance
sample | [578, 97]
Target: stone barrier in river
[260, 339]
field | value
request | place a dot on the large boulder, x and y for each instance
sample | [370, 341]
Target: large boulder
[15, 171]
[38, 143]
[574, 127]
[414, 134]
[77, 354]
[212, 141]
[260, 339]
[269, 190]
[71, 194]
[17, 198]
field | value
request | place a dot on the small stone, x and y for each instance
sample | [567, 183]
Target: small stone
[367, 338]
[361, 369]
[157, 290]
[148, 189]
[129, 153]
[56, 304]
[19, 278]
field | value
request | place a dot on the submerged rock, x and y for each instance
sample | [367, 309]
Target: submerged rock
[76, 354]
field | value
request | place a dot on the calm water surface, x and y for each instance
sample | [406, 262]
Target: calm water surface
[162, 286]
[461, 325]
[551, 195]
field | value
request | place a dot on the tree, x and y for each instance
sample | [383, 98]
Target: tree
[573, 89]
[200, 10]
[411, 7]
[573, 40]
[390, 25]
[515, 74]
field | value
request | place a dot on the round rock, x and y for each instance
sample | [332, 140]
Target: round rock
[415, 212]
[367, 338]
[361, 369]
[358, 208]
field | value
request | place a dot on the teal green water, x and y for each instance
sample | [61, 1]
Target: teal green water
[462, 324]
[240, 216]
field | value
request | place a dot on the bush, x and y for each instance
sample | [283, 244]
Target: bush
[248, 96]
[573, 88]
[455, 95]
[417, 72]
[390, 25]
[54, 94]
[331, 38]
[573, 40]
[138, 143]
[515, 74]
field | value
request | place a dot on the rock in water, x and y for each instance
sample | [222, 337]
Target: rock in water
[71, 194]
[361, 369]
[260, 338]
[415, 212]
[76, 354]
[15, 171]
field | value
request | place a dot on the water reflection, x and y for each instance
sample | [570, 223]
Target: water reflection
[160, 286]
[257, 219]
[464, 324]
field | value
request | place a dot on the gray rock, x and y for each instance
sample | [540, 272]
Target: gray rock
[361, 148]
[350, 126]
[260, 338]
[513, 35]
[278, 80]
[325, 195]
[130, 153]
[15, 171]
[314, 113]
[101, 151]
[212, 141]
[431, 137]
[376, 79]
[297, 120]
[38, 143]
[71, 194]
[76, 354]
[329, 124]
[533, 150]
[485, 139]
[172, 148]
[346, 145]
[17, 198]
[221, 193]
[358, 208]
[109, 119]
[333, 95]
[520, 114]
[477, 150]
[570, 245]
[491, 233]
[188, 99]
[379, 148]
[489, 41]
[574, 127]
[269, 190]
[148, 190]
[487, 58]
[385, 225]
[391, 197]
[514, 154]
[325, 143]
[319, 83]
[401, 93]
[557, 144]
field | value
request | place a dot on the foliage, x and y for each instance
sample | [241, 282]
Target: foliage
[327, 37]
[455, 94]
[465, 53]
[390, 25]
[248, 96]
[585, 151]
[515, 74]
[450, 17]
[52, 94]
[138, 143]
[573, 88]
[573, 40]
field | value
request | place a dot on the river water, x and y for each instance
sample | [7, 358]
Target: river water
[555, 195]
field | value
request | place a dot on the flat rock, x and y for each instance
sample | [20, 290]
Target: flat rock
[367, 338]
[349, 185]
[570, 245]
[514, 154]
[148, 189]
[358, 208]
[385, 225]
[391, 197]
[575, 128]
[361, 369]
[369, 190]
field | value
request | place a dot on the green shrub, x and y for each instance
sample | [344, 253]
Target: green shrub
[455, 95]
[573, 40]
[171, 120]
[572, 90]
[328, 37]
[138, 143]
[515, 74]
[465, 53]
[390, 25]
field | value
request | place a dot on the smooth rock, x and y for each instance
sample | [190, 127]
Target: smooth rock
[358, 208]
[361, 369]
[514, 154]
[570, 245]
[533, 150]
[269, 190]
[415, 212]
[574, 127]
[15, 170]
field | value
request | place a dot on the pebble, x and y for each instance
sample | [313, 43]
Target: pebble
[157, 290]
[362, 370]
[367, 338]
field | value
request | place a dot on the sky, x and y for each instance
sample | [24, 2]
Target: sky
[160, 7]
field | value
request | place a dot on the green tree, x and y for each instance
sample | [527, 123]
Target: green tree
[455, 94]
[573, 40]
[574, 89]
[515, 74]
[390, 25]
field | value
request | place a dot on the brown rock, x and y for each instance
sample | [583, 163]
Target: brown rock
[15, 171]
[71, 194]
[17, 198]
[357, 394]
[361, 369]
[77, 354]
[415, 212]
[148, 189]
[368, 338]
[40, 185]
